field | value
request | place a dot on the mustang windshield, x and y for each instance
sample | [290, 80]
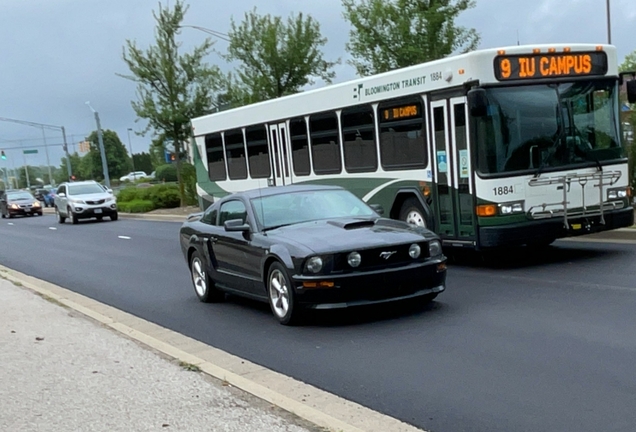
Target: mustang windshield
[537, 127]
[298, 207]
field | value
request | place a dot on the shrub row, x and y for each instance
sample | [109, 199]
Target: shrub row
[160, 196]
[136, 206]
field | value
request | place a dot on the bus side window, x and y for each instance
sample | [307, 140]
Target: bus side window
[325, 143]
[216, 157]
[358, 131]
[299, 146]
[258, 152]
[235, 152]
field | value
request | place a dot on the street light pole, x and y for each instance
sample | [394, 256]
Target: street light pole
[48, 162]
[609, 23]
[132, 159]
[68, 157]
[100, 139]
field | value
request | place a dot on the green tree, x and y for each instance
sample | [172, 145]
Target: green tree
[276, 58]
[61, 174]
[143, 162]
[172, 87]
[116, 156]
[391, 34]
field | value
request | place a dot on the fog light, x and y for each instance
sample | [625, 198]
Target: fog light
[415, 250]
[354, 259]
[434, 248]
[314, 264]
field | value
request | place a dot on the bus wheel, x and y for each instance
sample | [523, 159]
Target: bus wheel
[413, 213]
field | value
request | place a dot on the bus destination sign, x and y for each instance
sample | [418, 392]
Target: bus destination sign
[401, 112]
[550, 65]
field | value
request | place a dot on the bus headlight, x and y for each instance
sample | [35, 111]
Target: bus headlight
[511, 208]
[617, 193]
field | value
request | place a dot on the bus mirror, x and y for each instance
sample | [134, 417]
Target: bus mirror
[478, 102]
[631, 91]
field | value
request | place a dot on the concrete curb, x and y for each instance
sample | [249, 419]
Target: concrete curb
[322, 408]
[144, 216]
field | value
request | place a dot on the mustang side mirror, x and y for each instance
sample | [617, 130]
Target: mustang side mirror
[478, 102]
[377, 208]
[236, 225]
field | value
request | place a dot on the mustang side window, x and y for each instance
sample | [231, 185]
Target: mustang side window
[209, 217]
[232, 210]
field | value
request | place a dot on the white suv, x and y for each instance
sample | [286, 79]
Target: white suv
[84, 200]
[132, 176]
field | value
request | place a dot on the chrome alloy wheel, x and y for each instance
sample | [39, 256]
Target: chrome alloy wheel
[198, 277]
[279, 293]
[415, 218]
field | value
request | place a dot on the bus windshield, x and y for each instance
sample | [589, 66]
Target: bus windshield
[538, 127]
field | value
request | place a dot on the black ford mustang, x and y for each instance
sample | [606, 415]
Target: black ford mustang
[308, 246]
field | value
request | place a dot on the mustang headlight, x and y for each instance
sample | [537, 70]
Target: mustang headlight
[354, 259]
[313, 265]
[434, 248]
[415, 250]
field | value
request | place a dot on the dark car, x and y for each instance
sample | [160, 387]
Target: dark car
[19, 203]
[44, 196]
[315, 247]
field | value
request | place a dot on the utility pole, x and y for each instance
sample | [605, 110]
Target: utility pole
[26, 168]
[131, 153]
[100, 139]
[609, 23]
[48, 162]
[68, 157]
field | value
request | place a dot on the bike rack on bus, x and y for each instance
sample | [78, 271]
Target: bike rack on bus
[604, 178]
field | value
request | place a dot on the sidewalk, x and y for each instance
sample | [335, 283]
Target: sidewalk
[63, 372]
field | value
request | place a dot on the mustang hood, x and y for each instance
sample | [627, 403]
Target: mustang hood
[327, 236]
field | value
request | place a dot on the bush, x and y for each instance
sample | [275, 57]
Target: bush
[189, 177]
[136, 206]
[166, 173]
[164, 195]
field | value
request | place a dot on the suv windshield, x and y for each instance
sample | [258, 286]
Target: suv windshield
[84, 189]
[297, 207]
[536, 127]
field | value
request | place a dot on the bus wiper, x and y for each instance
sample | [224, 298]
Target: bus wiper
[551, 151]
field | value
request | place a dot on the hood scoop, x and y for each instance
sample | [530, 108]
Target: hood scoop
[352, 224]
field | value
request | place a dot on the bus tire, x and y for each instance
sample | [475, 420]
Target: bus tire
[413, 213]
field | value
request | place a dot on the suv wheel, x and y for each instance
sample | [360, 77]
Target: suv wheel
[114, 216]
[72, 215]
[60, 219]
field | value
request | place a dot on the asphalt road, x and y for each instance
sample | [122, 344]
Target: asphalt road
[522, 343]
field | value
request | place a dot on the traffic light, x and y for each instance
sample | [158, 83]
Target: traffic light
[173, 157]
[3, 156]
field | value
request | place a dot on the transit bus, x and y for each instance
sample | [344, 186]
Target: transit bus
[496, 147]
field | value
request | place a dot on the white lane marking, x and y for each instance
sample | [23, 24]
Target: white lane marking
[124, 237]
[52, 228]
[9, 223]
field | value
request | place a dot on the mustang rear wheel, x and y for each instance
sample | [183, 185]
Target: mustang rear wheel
[281, 294]
[203, 285]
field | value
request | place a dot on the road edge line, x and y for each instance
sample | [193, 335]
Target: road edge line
[374, 420]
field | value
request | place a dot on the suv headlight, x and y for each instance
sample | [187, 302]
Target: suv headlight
[313, 265]
[76, 201]
[434, 248]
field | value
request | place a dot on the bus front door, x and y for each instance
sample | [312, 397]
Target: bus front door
[452, 173]
[278, 144]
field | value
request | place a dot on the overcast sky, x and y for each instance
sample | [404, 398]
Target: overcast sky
[57, 54]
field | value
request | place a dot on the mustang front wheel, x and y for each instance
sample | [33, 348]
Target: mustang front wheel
[203, 284]
[281, 294]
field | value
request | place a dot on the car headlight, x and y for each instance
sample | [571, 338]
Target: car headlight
[434, 248]
[314, 265]
[108, 199]
[415, 251]
[15, 206]
[77, 201]
[36, 203]
[354, 259]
